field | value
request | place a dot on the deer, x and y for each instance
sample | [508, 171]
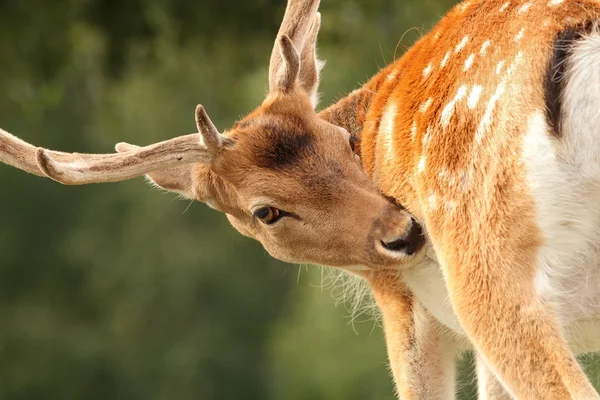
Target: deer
[462, 182]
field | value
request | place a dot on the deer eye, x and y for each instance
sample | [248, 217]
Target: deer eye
[268, 215]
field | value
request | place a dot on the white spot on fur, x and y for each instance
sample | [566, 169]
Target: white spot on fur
[499, 67]
[450, 206]
[436, 35]
[425, 106]
[553, 3]
[432, 200]
[469, 62]
[392, 76]
[462, 44]
[427, 70]
[513, 65]
[426, 137]
[464, 180]
[388, 119]
[504, 7]
[474, 96]
[448, 111]
[486, 121]
[463, 7]
[413, 131]
[524, 8]
[446, 178]
[445, 59]
[421, 164]
[519, 35]
[387, 128]
[484, 47]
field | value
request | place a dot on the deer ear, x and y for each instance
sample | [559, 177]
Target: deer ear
[310, 65]
[194, 181]
[293, 60]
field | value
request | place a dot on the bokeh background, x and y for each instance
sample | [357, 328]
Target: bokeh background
[119, 291]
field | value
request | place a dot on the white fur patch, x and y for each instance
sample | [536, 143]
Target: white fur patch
[484, 47]
[524, 8]
[392, 75]
[464, 6]
[499, 67]
[469, 62]
[448, 111]
[427, 70]
[461, 45]
[564, 179]
[504, 7]
[445, 59]
[519, 35]
[474, 96]
[421, 164]
[432, 200]
[387, 129]
[426, 138]
[486, 120]
[425, 106]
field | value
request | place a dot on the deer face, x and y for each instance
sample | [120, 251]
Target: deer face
[291, 180]
[282, 175]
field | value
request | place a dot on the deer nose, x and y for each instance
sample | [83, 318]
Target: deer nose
[409, 243]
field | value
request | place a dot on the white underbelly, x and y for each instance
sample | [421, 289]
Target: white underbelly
[427, 284]
[426, 281]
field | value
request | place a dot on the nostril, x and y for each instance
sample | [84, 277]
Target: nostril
[411, 242]
[396, 245]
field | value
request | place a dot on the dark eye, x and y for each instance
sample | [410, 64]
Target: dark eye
[353, 141]
[268, 215]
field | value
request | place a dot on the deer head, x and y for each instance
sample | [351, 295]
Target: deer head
[282, 175]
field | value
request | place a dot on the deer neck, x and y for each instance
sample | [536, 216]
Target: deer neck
[385, 146]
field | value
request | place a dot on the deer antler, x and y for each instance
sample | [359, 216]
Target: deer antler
[80, 169]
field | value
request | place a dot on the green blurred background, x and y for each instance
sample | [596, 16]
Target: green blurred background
[118, 291]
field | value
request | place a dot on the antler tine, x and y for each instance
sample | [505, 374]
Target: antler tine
[81, 169]
[297, 20]
[213, 140]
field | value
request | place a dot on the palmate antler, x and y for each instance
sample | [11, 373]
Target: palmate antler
[81, 169]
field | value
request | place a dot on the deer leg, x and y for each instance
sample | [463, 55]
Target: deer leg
[488, 387]
[512, 330]
[422, 357]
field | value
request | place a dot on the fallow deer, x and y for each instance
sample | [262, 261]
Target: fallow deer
[462, 182]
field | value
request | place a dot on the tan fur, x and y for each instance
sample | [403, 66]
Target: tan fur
[441, 133]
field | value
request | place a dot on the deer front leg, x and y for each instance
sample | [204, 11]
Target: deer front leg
[517, 335]
[488, 387]
[422, 358]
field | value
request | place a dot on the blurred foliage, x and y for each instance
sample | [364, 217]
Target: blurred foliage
[119, 292]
